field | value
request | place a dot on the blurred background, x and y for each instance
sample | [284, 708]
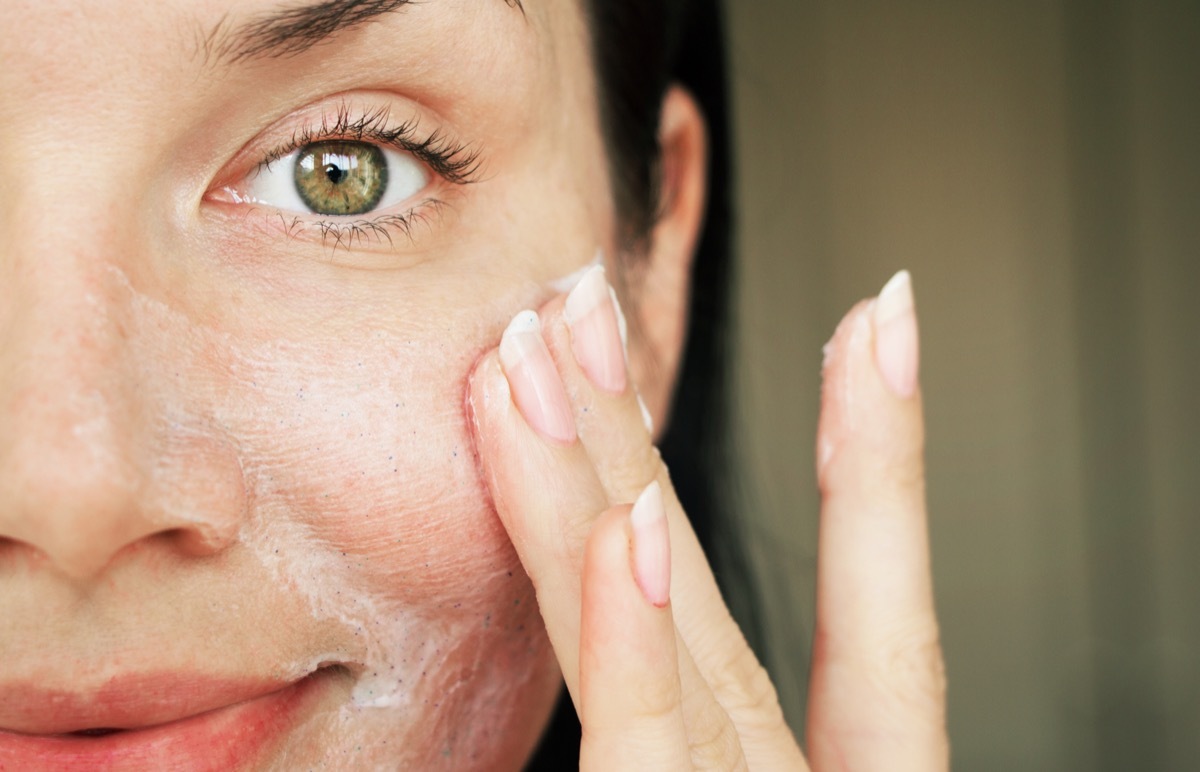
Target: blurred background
[1036, 166]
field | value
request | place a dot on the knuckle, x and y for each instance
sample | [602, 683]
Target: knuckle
[745, 686]
[914, 672]
[655, 698]
[749, 696]
[715, 742]
[633, 466]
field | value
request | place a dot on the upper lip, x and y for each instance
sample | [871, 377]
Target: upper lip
[131, 701]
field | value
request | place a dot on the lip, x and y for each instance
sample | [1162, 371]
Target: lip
[235, 724]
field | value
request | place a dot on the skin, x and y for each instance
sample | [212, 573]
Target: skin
[231, 446]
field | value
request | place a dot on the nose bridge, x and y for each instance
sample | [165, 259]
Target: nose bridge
[83, 427]
[63, 357]
[69, 476]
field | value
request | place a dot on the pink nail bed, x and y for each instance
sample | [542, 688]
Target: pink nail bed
[596, 339]
[536, 386]
[652, 546]
[897, 351]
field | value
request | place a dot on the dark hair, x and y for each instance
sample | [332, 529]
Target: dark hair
[641, 47]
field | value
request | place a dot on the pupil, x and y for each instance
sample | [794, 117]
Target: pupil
[340, 177]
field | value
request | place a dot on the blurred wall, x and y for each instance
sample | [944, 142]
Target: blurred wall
[1036, 165]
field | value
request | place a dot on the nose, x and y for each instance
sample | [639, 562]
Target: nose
[90, 464]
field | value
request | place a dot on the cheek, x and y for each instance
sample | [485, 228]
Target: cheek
[367, 450]
[363, 498]
[367, 498]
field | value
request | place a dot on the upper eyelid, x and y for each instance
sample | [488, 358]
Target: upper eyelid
[361, 118]
[447, 158]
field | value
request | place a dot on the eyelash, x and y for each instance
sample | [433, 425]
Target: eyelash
[454, 162]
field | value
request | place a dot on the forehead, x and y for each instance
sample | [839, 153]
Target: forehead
[119, 44]
[139, 74]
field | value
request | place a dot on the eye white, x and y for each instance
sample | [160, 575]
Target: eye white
[274, 184]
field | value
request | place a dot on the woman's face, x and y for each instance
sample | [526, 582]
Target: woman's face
[234, 457]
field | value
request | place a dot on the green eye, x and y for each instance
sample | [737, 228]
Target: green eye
[341, 178]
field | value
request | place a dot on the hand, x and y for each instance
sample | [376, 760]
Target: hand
[659, 672]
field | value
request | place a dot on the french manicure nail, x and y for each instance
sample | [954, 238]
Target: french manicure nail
[652, 546]
[897, 350]
[591, 313]
[536, 386]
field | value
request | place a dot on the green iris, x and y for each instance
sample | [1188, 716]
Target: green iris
[341, 178]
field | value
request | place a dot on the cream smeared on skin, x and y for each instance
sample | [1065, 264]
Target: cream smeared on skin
[566, 283]
[840, 371]
[352, 480]
[253, 390]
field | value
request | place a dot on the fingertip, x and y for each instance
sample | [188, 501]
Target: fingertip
[486, 387]
[608, 545]
[870, 394]
[629, 671]
[841, 371]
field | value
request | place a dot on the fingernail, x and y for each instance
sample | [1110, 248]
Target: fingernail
[652, 546]
[897, 351]
[592, 315]
[536, 386]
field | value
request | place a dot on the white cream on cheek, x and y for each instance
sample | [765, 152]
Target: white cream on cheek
[568, 282]
[359, 491]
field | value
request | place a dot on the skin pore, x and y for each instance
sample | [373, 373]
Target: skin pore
[234, 442]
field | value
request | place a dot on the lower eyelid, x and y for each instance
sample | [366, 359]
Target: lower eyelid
[388, 232]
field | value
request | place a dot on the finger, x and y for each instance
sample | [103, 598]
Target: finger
[547, 495]
[542, 483]
[877, 699]
[630, 691]
[583, 333]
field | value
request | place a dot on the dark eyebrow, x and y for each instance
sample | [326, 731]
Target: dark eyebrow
[292, 31]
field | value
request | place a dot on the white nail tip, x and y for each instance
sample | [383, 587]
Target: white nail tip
[589, 292]
[622, 325]
[647, 419]
[648, 509]
[516, 338]
[895, 298]
[526, 321]
[565, 283]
